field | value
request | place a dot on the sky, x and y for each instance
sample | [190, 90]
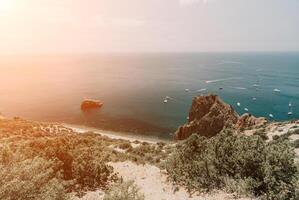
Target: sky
[91, 26]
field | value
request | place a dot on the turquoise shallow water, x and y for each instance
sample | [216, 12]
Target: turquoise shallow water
[134, 86]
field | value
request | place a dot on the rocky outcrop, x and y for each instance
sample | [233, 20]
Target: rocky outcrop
[90, 104]
[247, 121]
[209, 115]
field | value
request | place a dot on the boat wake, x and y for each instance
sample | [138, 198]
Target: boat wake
[231, 62]
[239, 88]
[221, 80]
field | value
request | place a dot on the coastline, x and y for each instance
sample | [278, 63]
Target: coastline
[131, 156]
[124, 135]
[115, 135]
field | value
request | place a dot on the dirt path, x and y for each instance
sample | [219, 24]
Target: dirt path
[153, 183]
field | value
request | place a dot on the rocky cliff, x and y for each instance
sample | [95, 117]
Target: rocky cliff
[209, 115]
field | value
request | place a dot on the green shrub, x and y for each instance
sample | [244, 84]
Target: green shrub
[241, 187]
[275, 137]
[125, 145]
[295, 132]
[265, 169]
[90, 172]
[34, 162]
[31, 179]
[262, 133]
[296, 143]
[124, 191]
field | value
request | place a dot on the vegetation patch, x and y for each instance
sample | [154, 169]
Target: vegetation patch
[124, 191]
[38, 159]
[44, 159]
[262, 133]
[242, 164]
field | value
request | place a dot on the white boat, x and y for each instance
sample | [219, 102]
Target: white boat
[187, 90]
[276, 90]
[290, 113]
[246, 109]
[270, 115]
[239, 104]
[254, 99]
[256, 85]
[165, 101]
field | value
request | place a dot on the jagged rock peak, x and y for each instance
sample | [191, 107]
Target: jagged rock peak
[209, 115]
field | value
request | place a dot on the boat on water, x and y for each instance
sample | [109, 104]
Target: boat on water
[276, 90]
[271, 115]
[239, 104]
[246, 109]
[290, 109]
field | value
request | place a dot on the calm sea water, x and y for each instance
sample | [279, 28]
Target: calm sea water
[134, 86]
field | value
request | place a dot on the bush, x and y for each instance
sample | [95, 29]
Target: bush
[124, 191]
[275, 137]
[241, 187]
[264, 169]
[262, 133]
[31, 179]
[125, 145]
[296, 143]
[90, 172]
[34, 163]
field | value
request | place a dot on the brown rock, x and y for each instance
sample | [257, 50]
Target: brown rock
[90, 104]
[208, 116]
[247, 121]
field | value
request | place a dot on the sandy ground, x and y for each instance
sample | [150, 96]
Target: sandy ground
[154, 185]
[280, 129]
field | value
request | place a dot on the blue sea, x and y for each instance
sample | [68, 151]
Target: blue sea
[133, 87]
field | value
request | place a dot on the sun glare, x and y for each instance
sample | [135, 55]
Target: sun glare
[5, 6]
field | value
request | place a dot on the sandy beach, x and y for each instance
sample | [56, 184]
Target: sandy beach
[115, 135]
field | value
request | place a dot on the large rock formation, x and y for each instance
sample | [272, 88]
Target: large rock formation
[209, 115]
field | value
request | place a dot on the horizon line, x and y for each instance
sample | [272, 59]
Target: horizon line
[144, 52]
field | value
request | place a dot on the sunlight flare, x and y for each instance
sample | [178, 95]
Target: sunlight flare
[6, 6]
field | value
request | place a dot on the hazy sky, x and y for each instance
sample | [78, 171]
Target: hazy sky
[82, 26]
